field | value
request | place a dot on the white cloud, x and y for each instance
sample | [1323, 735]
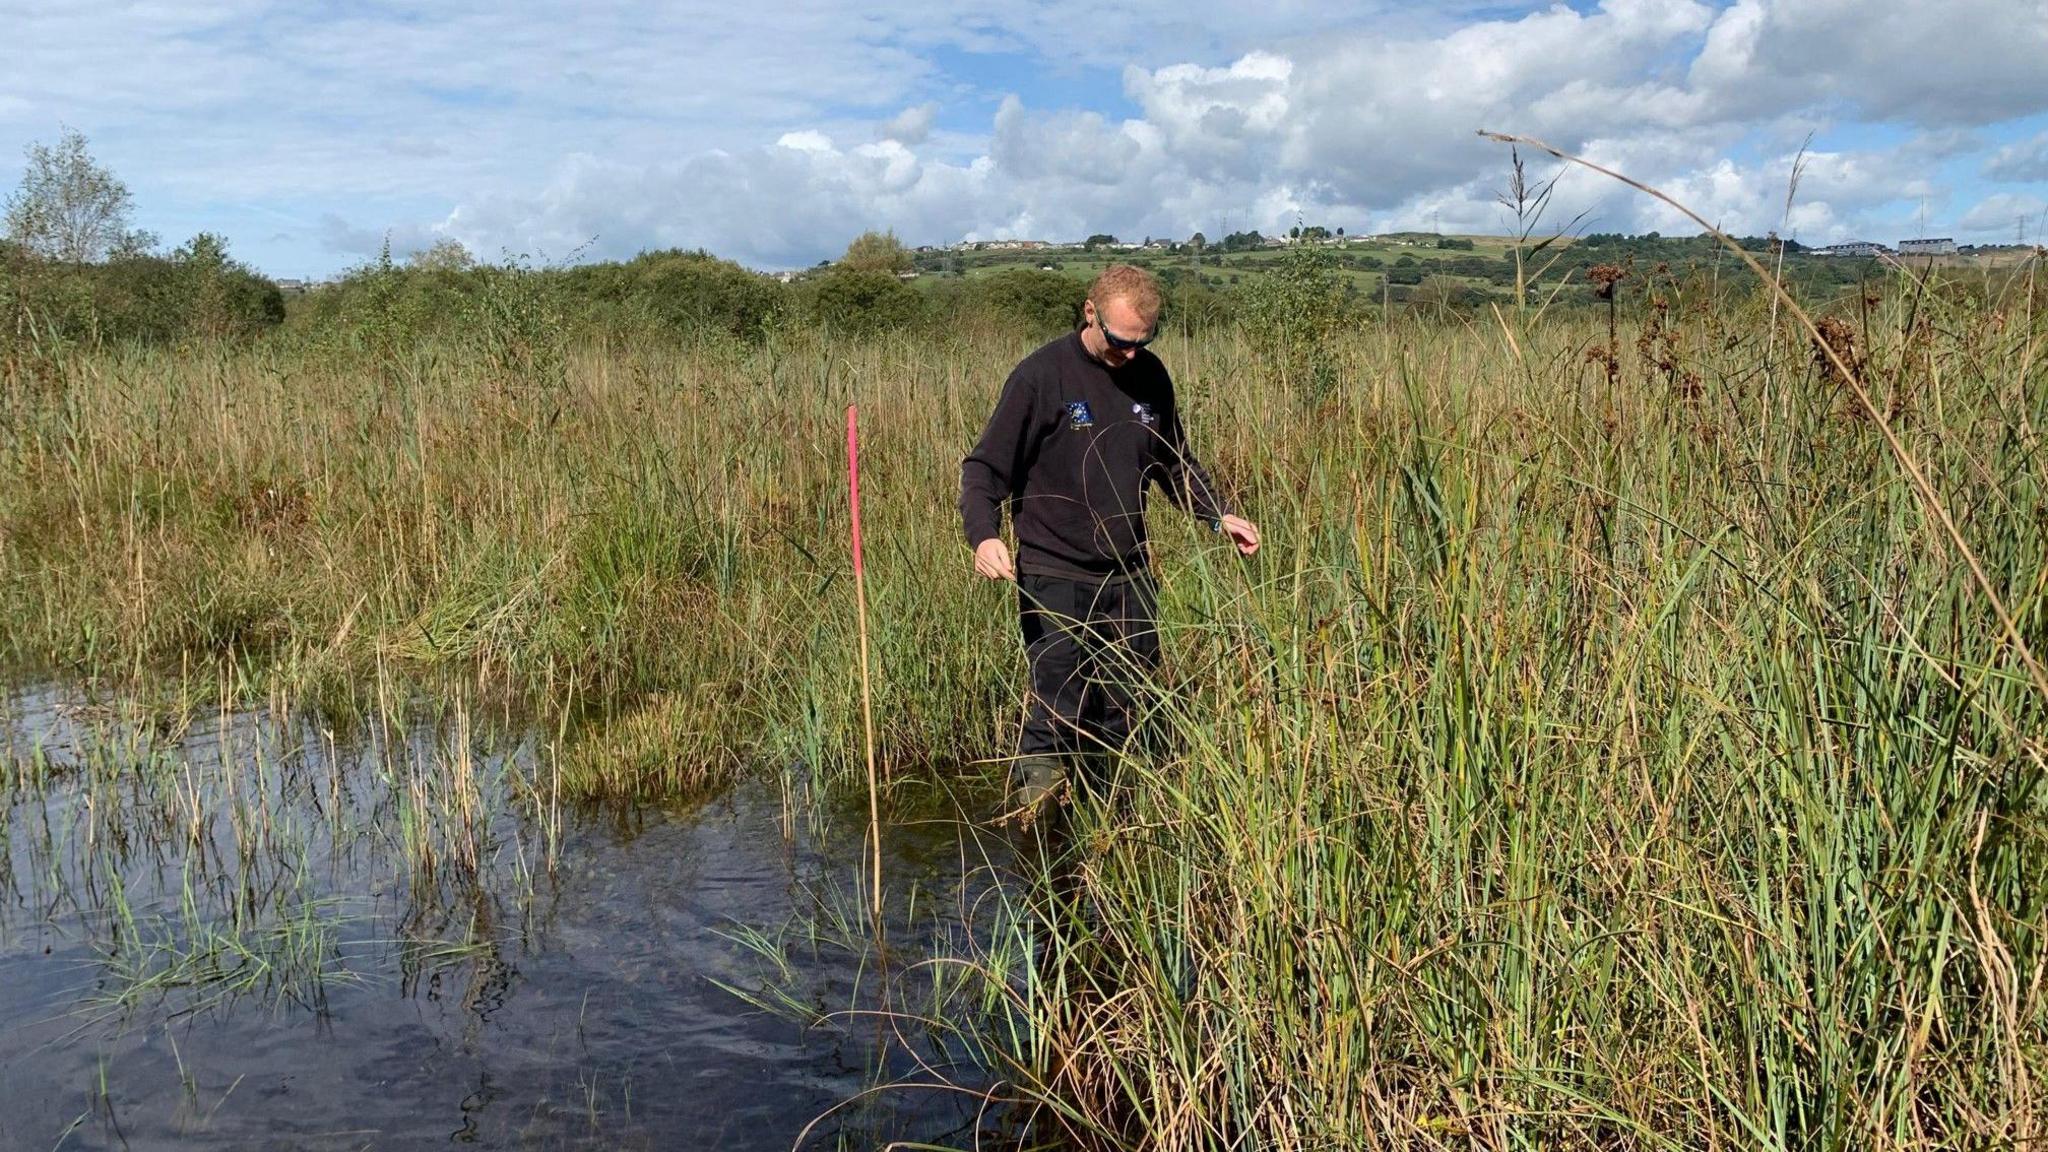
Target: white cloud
[1358, 126]
[780, 205]
[1944, 143]
[1385, 120]
[2007, 217]
[643, 124]
[1224, 120]
[805, 141]
[2024, 161]
[341, 237]
[1952, 62]
[910, 127]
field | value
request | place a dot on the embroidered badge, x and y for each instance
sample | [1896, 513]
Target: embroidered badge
[1145, 414]
[1078, 415]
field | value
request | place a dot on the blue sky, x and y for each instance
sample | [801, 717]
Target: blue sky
[774, 133]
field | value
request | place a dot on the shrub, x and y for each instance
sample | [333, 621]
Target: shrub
[687, 293]
[516, 324]
[854, 302]
[1198, 307]
[876, 252]
[1294, 314]
[197, 292]
[1029, 298]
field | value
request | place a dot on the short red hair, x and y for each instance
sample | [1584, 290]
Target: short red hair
[1133, 286]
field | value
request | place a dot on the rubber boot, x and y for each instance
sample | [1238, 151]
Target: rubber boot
[1036, 782]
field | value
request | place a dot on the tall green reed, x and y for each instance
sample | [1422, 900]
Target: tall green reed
[1576, 773]
[1588, 760]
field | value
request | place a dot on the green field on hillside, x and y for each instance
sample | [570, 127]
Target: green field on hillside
[1372, 269]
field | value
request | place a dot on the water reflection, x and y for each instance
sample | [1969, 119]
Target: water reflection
[247, 932]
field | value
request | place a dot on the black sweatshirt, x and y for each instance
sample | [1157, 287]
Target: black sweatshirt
[1071, 448]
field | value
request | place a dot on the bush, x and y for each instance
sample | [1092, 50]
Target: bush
[855, 302]
[383, 310]
[198, 292]
[217, 297]
[1031, 299]
[687, 293]
[876, 252]
[1295, 312]
[516, 325]
[384, 307]
[1198, 307]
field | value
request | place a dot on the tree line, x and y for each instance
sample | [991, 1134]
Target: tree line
[74, 269]
[75, 272]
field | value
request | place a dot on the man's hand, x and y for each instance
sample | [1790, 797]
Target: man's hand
[992, 559]
[1242, 532]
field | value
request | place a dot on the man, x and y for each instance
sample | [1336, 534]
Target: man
[1084, 425]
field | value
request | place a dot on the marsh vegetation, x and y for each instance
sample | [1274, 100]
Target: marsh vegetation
[1606, 750]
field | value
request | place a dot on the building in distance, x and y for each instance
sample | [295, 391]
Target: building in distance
[1935, 246]
[1853, 248]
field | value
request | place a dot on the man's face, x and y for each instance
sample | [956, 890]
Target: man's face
[1118, 331]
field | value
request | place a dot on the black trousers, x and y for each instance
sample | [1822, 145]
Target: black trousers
[1093, 645]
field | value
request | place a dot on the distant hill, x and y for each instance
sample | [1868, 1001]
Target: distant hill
[1458, 269]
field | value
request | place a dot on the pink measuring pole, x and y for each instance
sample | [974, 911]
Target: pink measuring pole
[853, 479]
[867, 707]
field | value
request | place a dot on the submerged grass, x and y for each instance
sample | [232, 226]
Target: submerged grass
[1604, 751]
[247, 857]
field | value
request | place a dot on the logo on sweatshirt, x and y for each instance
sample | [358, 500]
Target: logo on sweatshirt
[1078, 415]
[1145, 414]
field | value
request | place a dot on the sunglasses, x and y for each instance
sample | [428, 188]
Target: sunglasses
[1118, 342]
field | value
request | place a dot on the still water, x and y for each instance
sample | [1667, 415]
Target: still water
[252, 932]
